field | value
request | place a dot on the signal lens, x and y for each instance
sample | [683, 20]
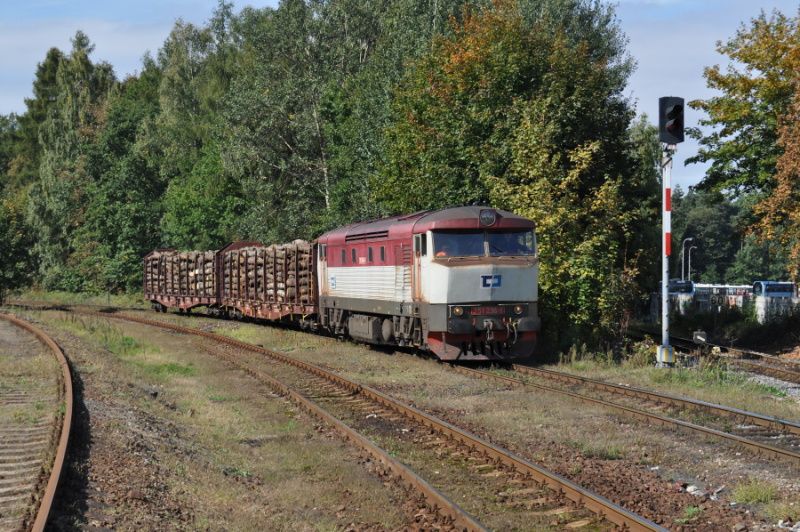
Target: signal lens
[519, 309]
[458, 311]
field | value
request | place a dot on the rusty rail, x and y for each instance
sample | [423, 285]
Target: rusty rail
[65, 379]
[597, 504]
[437, 501]
[772, 365]
[770, 370]
[770, 422]
[757, 447]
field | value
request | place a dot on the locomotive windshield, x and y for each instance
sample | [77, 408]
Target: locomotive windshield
[482, 243]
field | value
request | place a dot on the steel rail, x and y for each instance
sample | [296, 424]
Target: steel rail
[769, 365]
[65, 381]
[757, 447]
[782, 373]
[436, 500]
[732, 352]
[597, 504]
[754, 418]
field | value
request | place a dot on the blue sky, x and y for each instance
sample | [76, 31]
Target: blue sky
[671, 40]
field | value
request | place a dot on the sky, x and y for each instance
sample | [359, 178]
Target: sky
[672, 42]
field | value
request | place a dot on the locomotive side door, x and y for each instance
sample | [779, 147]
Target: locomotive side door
[420, 256]
[322, 268]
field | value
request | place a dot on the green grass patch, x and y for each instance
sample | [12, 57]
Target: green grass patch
[710, 375]
[219, 398]
[782, 510]
[689, 514]
[603, 452]
[754, 491]
[166, 369]
[82, 298]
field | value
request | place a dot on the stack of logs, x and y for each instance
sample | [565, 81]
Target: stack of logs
[154, 272]
[186, 274]
[274, 274]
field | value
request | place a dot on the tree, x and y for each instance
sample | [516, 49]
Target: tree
[201, 210]
[295, 59]
[754, 146]
[57, 198]
[742, 146]
[779, 212]
[15, 259]
[123, 195]
[527, 113]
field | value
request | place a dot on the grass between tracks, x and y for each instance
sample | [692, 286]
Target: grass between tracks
[573, 438]
[708, 381]
[26, 367]
[71, 298]
[234, 455]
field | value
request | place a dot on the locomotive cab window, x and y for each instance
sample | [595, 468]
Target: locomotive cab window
[383, 253]
[323, 251]
[344, 257]
[369, 254]
[353, 255]
[508, 243]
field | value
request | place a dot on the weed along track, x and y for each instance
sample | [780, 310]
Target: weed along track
[753, 361]
[762, 435]
[36, 401]
[502, 490]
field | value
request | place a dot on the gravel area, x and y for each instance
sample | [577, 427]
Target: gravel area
[792, 390]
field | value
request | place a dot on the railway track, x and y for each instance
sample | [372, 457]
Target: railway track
[746, 359]
[33, 441]
[513, 483]
[754, 432]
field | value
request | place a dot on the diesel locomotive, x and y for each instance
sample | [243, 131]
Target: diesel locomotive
[460, 282]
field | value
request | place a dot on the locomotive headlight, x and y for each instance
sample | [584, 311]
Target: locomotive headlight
[487, 217]
[519, 309]
[458, 311]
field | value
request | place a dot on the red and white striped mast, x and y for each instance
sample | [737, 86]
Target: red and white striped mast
[670, 132]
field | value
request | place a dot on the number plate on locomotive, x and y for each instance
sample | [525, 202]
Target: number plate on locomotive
[486, 311]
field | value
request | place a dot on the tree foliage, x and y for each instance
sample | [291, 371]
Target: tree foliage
[15, 259]
[753, 147]
[756, 91]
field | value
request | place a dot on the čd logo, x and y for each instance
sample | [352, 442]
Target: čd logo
[490, 281]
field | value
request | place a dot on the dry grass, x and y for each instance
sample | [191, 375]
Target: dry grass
[711, 383]
[26, 367]
[246, 460]
[528, 420]
[754, 491]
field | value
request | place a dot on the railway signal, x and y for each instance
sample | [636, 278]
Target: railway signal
[670, 132]
[670, 119]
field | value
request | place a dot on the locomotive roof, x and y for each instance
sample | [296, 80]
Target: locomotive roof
[466, 217]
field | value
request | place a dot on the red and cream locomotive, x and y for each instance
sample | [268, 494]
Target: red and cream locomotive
[460, 282]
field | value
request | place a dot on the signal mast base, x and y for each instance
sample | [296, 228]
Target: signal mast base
[665, 356]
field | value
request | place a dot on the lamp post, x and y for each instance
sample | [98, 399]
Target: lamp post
[690, 261]
[683, 257]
